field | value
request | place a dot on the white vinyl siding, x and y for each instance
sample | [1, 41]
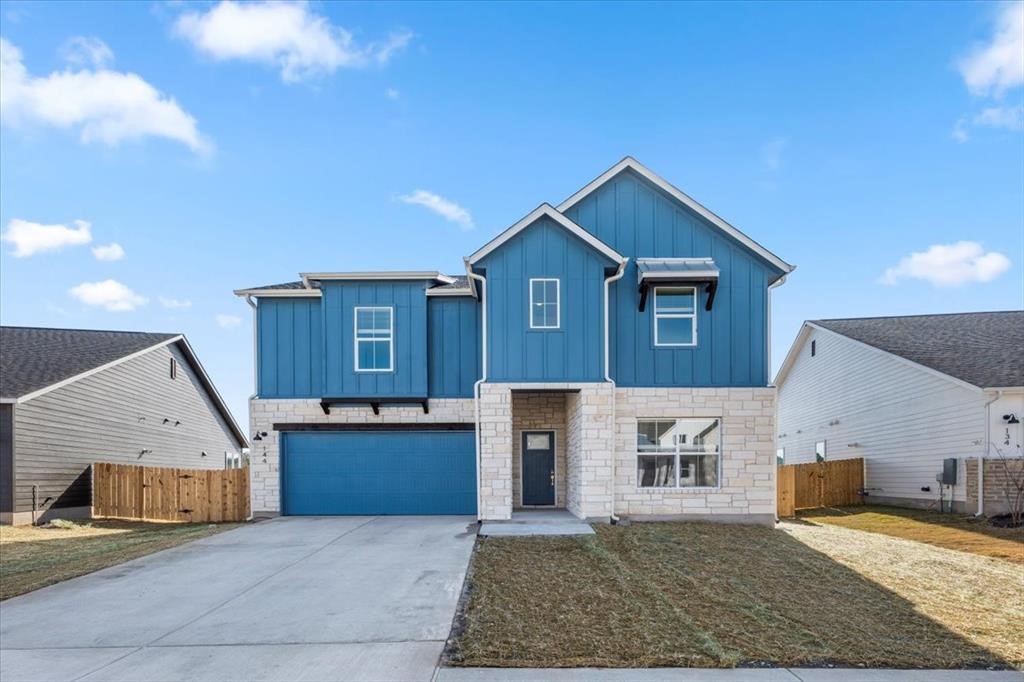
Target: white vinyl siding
[902, 419]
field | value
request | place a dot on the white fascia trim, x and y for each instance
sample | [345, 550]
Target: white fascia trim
[279, 293]
[646, 173]
[791, 355]
[214, 393]
[549, 211]
[802, 337]
[382, 275]
[451, 292]
[1001, 389]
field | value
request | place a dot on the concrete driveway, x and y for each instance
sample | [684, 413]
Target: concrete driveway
[354, 598]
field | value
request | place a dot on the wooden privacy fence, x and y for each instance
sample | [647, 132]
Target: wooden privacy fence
[836, 483]
[125, 491]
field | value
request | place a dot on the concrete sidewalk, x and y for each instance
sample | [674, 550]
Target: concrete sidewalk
[720, 675]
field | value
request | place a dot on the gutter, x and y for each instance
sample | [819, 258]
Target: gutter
[607, 373]
[984, 452]
[483, 377]
[777, 283]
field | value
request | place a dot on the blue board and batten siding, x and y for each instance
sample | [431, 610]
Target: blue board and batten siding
[639, 220]
[573, 351]
[289, 348]
[453, 345]
[409, 375]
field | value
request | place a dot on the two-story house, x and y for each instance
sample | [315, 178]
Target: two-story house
[608, 356]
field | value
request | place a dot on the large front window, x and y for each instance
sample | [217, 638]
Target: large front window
[678, 453]
[675, 316]
[374, 332]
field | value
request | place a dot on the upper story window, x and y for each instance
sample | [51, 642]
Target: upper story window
[545, 311]
[375, 339]
[678, 453]
[174, 368]
[675, 316]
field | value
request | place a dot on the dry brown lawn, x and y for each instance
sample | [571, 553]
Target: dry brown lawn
[952, 531]
[693, 594]
[33, 557]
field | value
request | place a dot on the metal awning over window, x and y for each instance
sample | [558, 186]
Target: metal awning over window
[676, 271]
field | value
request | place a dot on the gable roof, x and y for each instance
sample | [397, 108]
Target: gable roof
[548, 211]
[981, 349]
[629, 163]
[36, 360]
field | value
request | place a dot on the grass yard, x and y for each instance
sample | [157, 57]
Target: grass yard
[952, 531]
[703, 595]
[33, 557]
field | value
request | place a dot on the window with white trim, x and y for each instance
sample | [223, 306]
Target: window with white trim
[678, 453]
[675, 316]
[544, 303]
[374, 339]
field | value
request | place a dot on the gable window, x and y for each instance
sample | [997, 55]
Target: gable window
[374, 339]
[678, 453]
[814, 348]
[675, 316]
[544, 303]
[174, 368]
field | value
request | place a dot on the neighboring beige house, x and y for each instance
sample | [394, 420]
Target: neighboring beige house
[906, 394]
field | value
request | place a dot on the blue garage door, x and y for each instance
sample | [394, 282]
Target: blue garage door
[378, 472]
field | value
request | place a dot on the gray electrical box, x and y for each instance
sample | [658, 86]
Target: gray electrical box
[949, 471]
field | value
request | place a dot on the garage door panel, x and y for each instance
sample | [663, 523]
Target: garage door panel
[375, 473]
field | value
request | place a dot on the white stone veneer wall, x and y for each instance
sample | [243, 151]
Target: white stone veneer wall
[589, 452]
[495, 451]
[264, 413]
[748, 452]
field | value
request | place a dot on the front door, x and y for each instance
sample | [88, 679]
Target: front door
[538, 468]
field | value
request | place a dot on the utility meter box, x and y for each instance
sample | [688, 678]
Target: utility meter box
[949, 471]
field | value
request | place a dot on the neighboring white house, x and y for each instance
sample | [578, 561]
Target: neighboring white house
[906, 393]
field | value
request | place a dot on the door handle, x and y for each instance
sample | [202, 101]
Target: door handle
[552, 478]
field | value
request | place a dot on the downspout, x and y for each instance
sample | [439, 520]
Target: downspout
[768, 355]
[777, 283]
[607, 372]
[255, 357]
[483, 377]
[984, 452]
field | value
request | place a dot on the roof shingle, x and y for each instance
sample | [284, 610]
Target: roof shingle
[32, 358]
[984, 349]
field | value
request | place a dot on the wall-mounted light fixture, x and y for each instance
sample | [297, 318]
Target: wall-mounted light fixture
[260, 435]
[145, 451]
[203, 454]
[166, 420]
[853, 445]
[1011, 419]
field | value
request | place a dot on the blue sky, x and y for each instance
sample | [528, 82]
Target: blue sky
[254, 142]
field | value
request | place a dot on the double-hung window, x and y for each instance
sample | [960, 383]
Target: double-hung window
[544, 303]
[678, 453]
[675, 316]
[375, 339]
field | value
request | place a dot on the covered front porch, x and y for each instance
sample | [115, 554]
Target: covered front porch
[545, 447]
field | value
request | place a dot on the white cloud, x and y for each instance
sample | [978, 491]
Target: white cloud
[104, 105]
[994, 67]
[87, 51]
[175, 303]
[1010, 118]
[960, 133]
[948, 265]
[228, 321]
[112, 251]
[391, 93]
[31, 238]
[448, 210]
[289, 35]
[109, 294]
[772, 152]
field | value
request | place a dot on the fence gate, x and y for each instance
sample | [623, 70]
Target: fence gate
[836, 483]
[126, 491]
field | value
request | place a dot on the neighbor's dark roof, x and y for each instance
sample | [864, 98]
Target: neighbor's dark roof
[983, 349]
[32, 358]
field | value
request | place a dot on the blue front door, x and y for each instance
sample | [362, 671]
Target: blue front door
[378, 472]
